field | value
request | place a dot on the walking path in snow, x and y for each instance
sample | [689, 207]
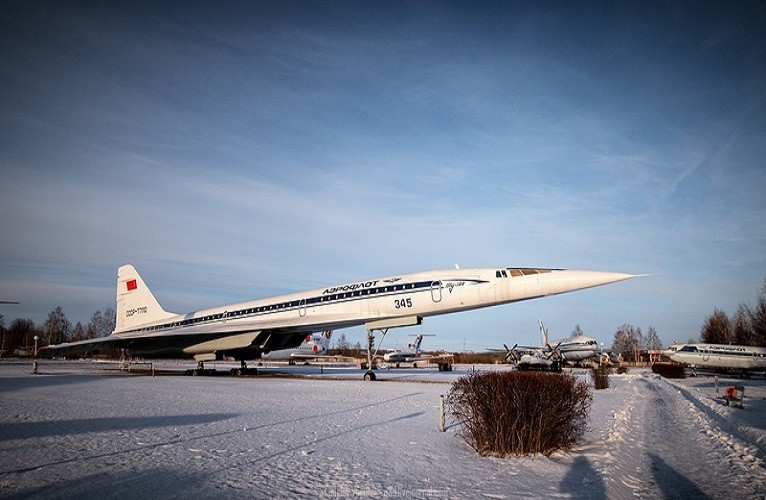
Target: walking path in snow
[77, 432]
[667, 439]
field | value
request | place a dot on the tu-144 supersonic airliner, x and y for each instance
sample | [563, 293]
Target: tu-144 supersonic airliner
[245, 330]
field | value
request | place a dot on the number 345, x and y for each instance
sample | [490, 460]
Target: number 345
[400, 303]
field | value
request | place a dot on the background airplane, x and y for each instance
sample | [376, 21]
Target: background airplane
[410, 354]
[722, 356]
[572, 349]
[313, 346]
[245, 330]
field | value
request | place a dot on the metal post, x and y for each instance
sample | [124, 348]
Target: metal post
[36, 339]
[441, 413]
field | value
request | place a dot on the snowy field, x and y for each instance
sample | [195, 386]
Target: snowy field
[87, 430]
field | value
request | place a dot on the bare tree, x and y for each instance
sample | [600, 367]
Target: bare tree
[2, 335]
[717, 329]
[653, 341]
[109, 322]
[759, 318]
[57, 327]
[95, 326]
[79, 332]
[627, 341]
[21, 333]
[344, 349]
[576, 332]
[742, 326]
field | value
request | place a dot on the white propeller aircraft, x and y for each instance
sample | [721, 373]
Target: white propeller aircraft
[551, 355]
[245, 330]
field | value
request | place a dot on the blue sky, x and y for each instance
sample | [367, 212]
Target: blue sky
[240, 151]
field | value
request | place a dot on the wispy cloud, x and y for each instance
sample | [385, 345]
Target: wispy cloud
[232, 154]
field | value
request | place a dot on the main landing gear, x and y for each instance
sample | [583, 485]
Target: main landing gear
[369, 375]
[243, 370]
[234, 372]
[200, 370]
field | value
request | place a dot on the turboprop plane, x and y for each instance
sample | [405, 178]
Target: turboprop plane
[722, 356]
[572, 349]
[313, 346]
[245, 330]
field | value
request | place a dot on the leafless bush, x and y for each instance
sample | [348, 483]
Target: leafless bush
[622, 370]
[520, 413]
[600, 376]
[669, 370]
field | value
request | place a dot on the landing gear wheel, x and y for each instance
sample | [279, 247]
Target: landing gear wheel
[369, 376]
[243, 370]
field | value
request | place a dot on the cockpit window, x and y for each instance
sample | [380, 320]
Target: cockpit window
[527, 271]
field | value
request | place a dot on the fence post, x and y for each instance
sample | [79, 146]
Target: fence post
[441, 413]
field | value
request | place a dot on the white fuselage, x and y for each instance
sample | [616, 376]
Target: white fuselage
[577, 349]
[672, 349]
[738, 357]
[414, 295]
[246, 330]
[311, 347]
[398, 356]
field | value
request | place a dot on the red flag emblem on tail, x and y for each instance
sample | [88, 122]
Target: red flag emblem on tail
[132, 285]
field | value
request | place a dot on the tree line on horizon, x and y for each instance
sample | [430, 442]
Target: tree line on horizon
[56, 329]
[747, 326]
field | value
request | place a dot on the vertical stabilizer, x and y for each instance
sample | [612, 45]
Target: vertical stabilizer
[324, 339]
[543, 333]
[136, 306]
[418, 341]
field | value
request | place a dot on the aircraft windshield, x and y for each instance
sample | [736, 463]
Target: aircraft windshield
[526, 271]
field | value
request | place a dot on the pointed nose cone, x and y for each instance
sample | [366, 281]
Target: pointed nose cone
[597, 278]
[569, 280]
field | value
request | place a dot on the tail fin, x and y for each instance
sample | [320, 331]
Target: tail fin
[136, 306]
[543, 333]
[418, 341]
[324, 339]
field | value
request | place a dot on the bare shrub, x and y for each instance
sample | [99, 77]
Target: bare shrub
[669, 370]
[600, 376]
[520, 413]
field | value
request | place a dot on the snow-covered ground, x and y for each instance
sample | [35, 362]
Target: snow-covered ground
[86, 430]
